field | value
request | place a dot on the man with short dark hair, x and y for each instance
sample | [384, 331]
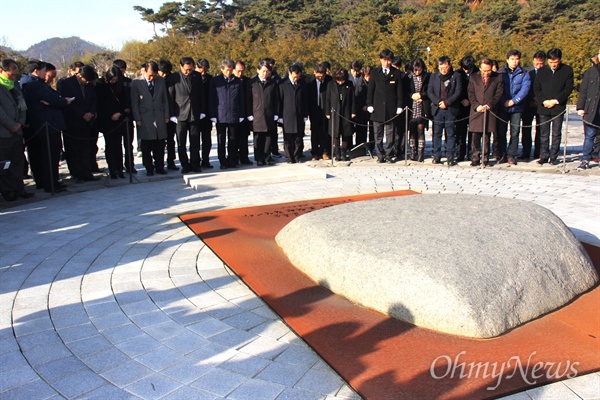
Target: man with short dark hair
[293, 112]
[244, 130]
[164, 71]
[552, 87]
[227, 110]
[202, 67]
[588, 107]
[128, 134]
[539, 59]
[185, 91]
[385, 100]
[444, 91]
[516, 87]
[150, 109]
[485, 91]
[80, 115]
[463, 139]
[320, 141]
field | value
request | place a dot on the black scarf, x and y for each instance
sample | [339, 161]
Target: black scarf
[446, 77]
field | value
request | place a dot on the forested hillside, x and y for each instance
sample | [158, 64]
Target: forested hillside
[343, 30]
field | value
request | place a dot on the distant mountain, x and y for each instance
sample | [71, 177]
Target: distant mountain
[58, 50]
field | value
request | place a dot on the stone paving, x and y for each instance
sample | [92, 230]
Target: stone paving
[105, 293]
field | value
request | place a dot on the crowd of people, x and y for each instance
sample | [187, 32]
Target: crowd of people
[381, 109]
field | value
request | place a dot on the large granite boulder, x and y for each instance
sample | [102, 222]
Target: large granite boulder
[466, 265]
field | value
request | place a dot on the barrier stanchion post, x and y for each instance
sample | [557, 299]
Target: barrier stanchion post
[129, 151]
[405, 135]
[566, 140]
[483, 139]
[332, 133]
[49, 158]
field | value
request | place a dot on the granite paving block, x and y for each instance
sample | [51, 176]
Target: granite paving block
[91, 345]
[149, 319]
[127, 373]
[212, 354]
[43, 354]
[284, 374]
[272, 329]
[245, 364]
[186, 343]
[297, 394]
[209, 327]
[187, 393]
[17, 376]
[186, 371]
[105, 360]
[265, 347]
[159, 358]
[587, 386]
[37, 389]
[12, 359]
[105, 392]
[110, 321]
[77, 332]
[122, 333]
[245, 320]
[138, 345]
[299, 355]
[153, 387]
[78, 384]
[321, 381]
[256, 389]
[59, 369]
[219, 381]
[234, 338]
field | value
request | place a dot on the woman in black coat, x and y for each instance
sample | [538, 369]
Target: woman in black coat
[420, 109]
[340, 105]
[114, 106]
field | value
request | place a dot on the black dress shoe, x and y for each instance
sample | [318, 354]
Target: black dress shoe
[541, 161]
[56, 190]
[91, 178]
[451, 161]
[113, 175]
[132, 171]
[389, 160]
[260, 163]
[276, 154]
[474, 163]
[553, 161]
[247, 162]
[185, 170]
[161, 172]
[172, 166]
[206, 165]
[436, 160]
[223, 166]
[9, 196]
[380, 160]
[120, 174]
[80, 180]
[149, 173]
[196, 169]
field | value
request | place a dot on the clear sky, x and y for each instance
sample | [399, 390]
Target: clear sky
[108, 23]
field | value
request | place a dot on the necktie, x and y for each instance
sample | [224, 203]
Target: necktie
[151, 88]
[485, 81]
[385, 71]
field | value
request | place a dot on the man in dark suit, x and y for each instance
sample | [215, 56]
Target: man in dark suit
[293, 112]
[45, 107]
[227, 111]
[244, 131]
[485, 91]
[385, 100]
[80, 115]
[588, 107]
[320, 141]
[128, 135]
[150, 109]
[185, 92]
[539, 59]
[202, 67]
[444, 91]
[552, 87]
[463, 140]
[262, 107]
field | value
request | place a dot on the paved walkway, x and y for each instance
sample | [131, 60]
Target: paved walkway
[106, 294]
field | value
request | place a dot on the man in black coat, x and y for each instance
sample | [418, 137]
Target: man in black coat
[44, 105]
[539, 59]
[202, 67]
[385, 100]
[445, 91]
[129, 132]
[80, 115]
[588, 107]
[185, 93]
[244, 130]
[320, 141]
[262, 107]
[293, 112]
[552, 87]
[463, 140]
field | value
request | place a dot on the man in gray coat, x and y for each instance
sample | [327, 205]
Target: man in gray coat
[588, 107]
[12, 118]
[150, 109]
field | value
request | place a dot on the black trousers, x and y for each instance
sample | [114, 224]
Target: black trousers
[292, 144]
[227, 143]
[153, 154]
[476, 146]
[526, 134]
[11, 179]
[262, 147]
[318, 135]
[380, 129]
[193, 128]
[114, 148]
[171, 132]
[547, 150]
[461, 131]
[33, 144]
[51, 146]
[77, 148]
[128, 135]
[243, 135]
[206, 132]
